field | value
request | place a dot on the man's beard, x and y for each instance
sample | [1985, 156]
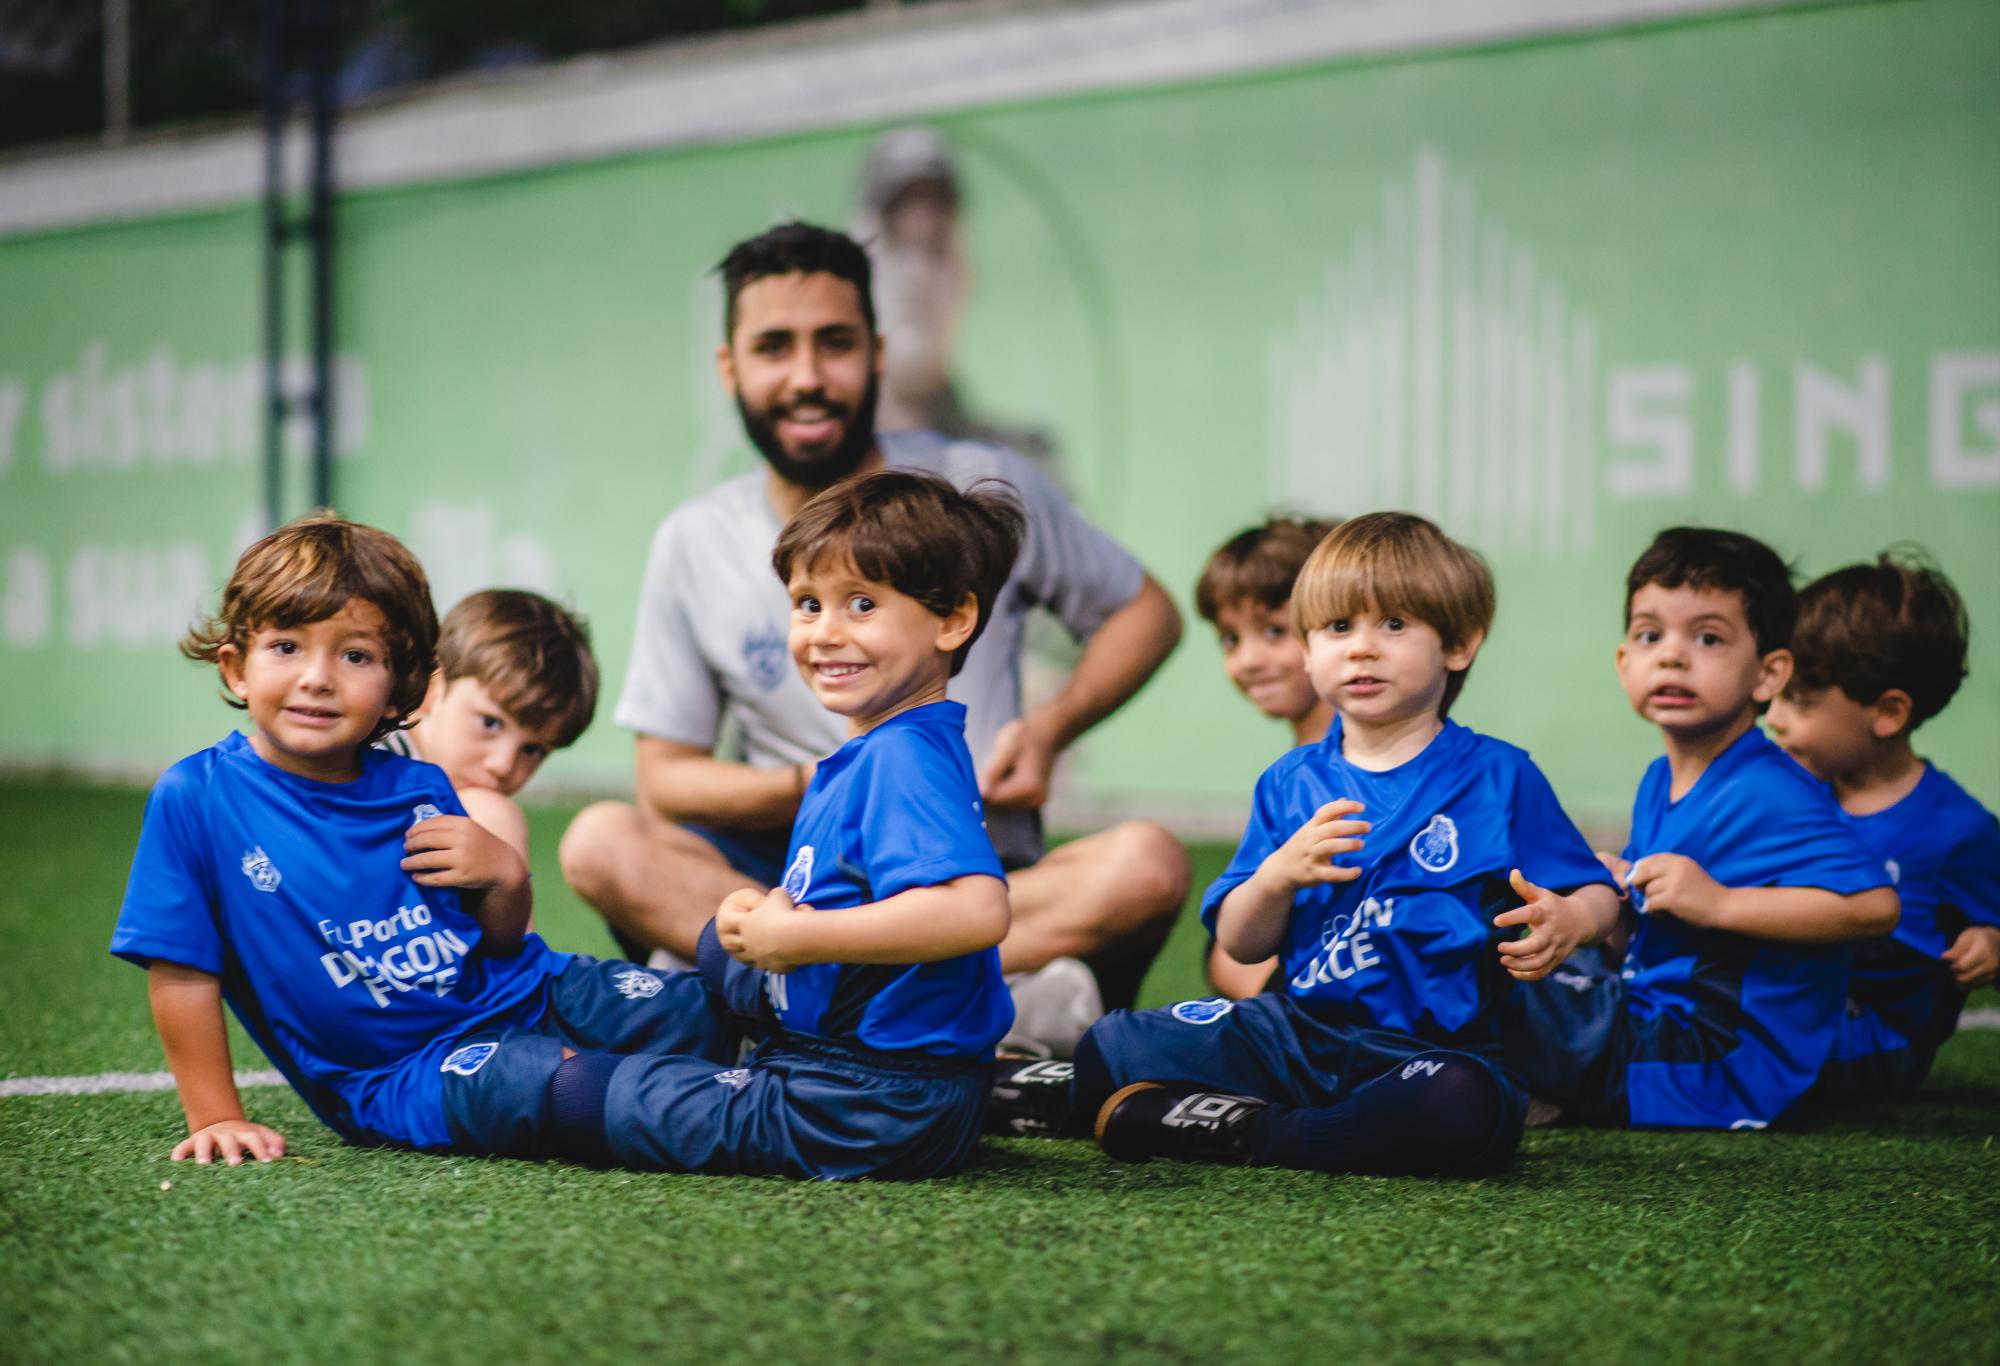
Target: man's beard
[815, 472]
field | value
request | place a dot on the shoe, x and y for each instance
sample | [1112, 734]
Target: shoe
[1030, 1099]
[1147, 1120]
[1053, 1007]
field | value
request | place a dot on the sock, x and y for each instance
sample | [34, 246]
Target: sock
[1092, 1085]
[576, 1107]
[1436, 1113]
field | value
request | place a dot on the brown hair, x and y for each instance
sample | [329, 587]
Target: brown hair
[1397, 562]
[917, 533]
[1896, 623]
[1258, 564]
[1722, 562]
[531, 654]
[306, 571]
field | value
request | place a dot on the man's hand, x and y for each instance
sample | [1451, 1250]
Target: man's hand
[751, 928]
[1306, 859]
[1677, 885]
[232, 1140]
[1017, 772]
[454, 851]
[1556, 925]
[1974, 956]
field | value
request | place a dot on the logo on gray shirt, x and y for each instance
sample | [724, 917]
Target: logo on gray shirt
[764, 654]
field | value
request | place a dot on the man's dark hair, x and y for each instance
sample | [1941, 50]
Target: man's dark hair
[917, 533]
[1896, 623]
[1725, 562]
[795, 249]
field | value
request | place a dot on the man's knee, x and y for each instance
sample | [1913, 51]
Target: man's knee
[589, 848]
[1153, 870]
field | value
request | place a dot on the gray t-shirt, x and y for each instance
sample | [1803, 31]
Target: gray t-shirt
[713, 617]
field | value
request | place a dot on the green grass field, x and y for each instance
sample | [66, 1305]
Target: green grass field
[1876, 1237]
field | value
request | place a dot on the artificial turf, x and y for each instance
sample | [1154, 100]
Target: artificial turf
[1872, 1236]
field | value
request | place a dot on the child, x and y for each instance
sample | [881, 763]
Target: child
[1880, 650]
[369, 936]
[1748, 884]
[1380, 1055]
[515, 682]
[1245, 593]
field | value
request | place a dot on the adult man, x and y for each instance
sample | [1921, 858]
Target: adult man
[802, 360]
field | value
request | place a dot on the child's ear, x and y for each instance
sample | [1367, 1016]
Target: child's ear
[1774, 671]
[1459, 658]
[955, 628]
[1889, 715]
[229, 663]
[725, 368]
[433, 693]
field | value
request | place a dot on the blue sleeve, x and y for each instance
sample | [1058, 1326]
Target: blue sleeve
[1970, 879]
[1266, 830]
[923, 823]
[169, 912]
[1548, 848]
[1785, 834]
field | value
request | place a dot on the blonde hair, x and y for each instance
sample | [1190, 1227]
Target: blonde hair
[1397, 563]
[306, 571]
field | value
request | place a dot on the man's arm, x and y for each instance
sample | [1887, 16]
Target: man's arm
[187, 1011]
[921, 925]
[688, 783]
[1116, 662]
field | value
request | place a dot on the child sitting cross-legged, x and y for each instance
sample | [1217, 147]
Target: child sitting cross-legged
[1391, 868]
[1880, 649]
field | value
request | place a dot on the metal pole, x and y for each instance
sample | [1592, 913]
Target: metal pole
[275, 77]
[319, 19]
[117, 69]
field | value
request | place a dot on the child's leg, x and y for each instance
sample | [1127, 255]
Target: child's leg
[616, 1007]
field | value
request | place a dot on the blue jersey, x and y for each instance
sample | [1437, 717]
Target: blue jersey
[1410, 944]
[354, 980]
[1941, 848]
[1762, 1014]
[890, 810]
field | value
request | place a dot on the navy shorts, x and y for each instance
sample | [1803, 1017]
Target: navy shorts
[1269, 1046]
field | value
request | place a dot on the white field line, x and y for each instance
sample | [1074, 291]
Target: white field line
[104, 1082]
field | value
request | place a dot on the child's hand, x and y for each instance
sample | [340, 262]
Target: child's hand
[1619, 868]
[454, 851]
[232, 1140]
[1306, 859]
[1677, 885]
[1556, 925]
[1974, 956]
[750, 927]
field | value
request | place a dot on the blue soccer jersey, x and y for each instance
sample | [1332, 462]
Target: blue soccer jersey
[353, 979]
[888, 811]
[1410, 944]
[1941, 848]
[1734, 1029]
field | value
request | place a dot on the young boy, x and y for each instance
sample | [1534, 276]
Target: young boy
[1880, 649]
[515, 682]
[1747, 884]
[1245, 593]
[1397, 933]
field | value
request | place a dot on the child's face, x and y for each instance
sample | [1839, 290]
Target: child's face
[1824, 729]
[1689, 662]
[1378, 668]
[477, 741]
[315, 692]
[1264, 659]
[866, 650]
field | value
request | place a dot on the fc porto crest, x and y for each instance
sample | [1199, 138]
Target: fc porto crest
[1435, 847]
[764, 656]
[423, 811]
[799, 876]
[1203, 1012]
[263, 873]
[636, 984]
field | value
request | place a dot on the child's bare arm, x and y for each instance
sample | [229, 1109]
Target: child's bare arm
[1250, 922]
[921, 925]
[500, 814]
[187, 1010]
[1556, 924]
[1677, 885]
[457, 851]
[1974, 957]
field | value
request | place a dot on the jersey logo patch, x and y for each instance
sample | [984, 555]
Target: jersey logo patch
[263, 873]
[1203, 1012]
[423, 811]
[635, 985]
[1435, 847]
[736, 1078]
[764, 654]
[1894, 870]
[799, 876]
[469, 1059]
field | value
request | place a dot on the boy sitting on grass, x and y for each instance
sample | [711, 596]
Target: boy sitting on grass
[1396, 933]
[1245, 593]
[1880, 650]
[1747, 884]
[515, 682]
